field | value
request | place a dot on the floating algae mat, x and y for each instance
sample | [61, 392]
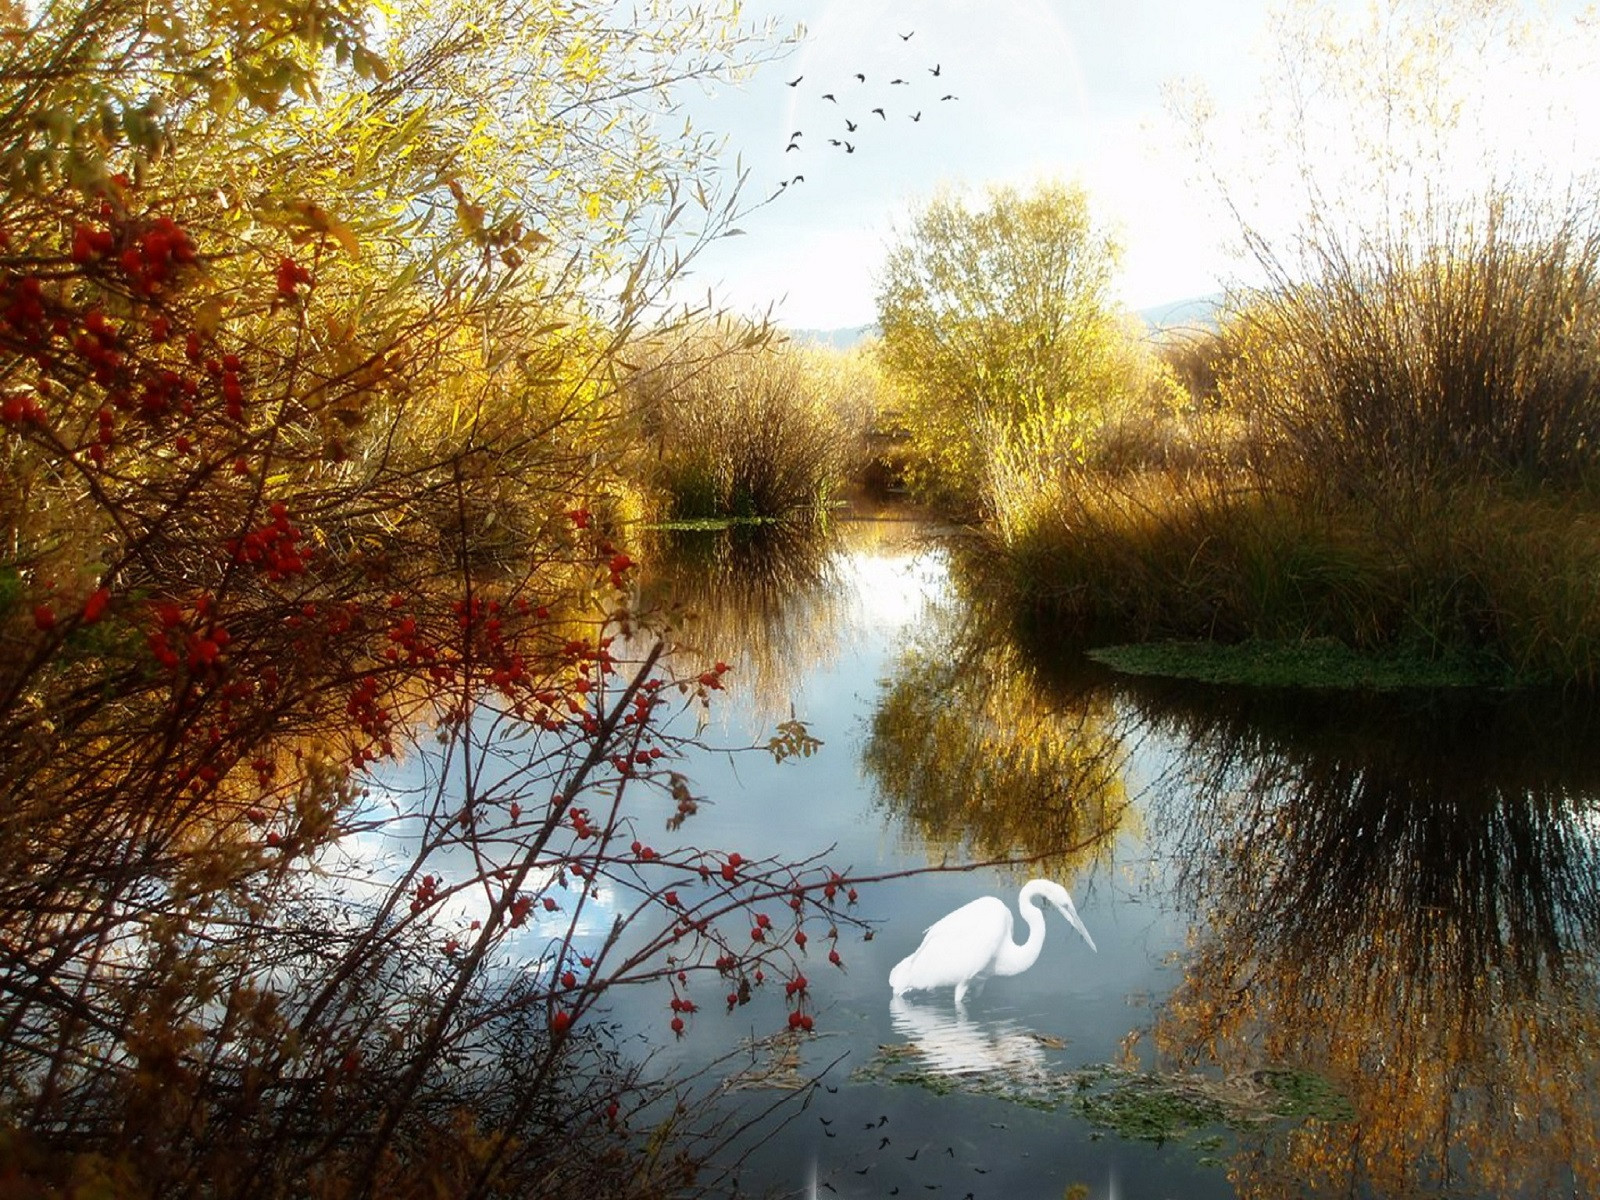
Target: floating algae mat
[1137, 1105]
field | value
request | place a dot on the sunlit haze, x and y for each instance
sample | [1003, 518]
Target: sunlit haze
[1062, 89]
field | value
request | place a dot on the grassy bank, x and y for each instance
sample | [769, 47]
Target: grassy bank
[1398, 456]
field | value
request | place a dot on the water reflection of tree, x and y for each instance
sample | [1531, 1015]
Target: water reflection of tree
[1406, 895]
[765, 598]
[974, 752]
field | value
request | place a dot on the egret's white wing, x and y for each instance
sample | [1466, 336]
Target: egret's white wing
[955, 948]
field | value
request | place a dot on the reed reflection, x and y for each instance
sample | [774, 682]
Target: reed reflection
[981, 759]
[1404, 894]
[766, 598]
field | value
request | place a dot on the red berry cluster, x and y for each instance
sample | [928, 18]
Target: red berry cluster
[407, 637]
[226, 371]
[149, 255]
[98, 346]
[427, 891]
[201, 637]
[373, 720]
[24, 311]
[681, 1005]
[713, 678]
[619, 566]
[19, 408]
[275, 547]
[799, 1019]
[290, 276]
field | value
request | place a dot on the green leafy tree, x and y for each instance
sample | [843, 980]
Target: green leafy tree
[998, 324]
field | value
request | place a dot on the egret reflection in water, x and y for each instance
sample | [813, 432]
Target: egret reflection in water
[963, 948]
[949, 1042]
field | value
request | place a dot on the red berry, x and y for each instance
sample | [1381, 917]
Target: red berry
[95, 606]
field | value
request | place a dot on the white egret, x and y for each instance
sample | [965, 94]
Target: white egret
[974, 942]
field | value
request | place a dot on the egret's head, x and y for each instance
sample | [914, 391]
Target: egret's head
[1047, 890]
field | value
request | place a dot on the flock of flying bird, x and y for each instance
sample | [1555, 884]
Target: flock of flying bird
[853, 120]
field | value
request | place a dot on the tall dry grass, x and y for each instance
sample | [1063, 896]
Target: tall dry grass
[1400, 454]
[736, 424]
[1464, 346]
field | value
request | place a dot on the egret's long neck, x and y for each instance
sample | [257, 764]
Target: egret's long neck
[1014, 959]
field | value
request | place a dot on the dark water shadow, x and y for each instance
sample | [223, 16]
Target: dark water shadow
[1399, 892]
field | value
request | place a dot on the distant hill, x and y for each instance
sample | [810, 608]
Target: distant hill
[1197, 312]
[839, 339]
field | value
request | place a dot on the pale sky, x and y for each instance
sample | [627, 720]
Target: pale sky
[1061, 89]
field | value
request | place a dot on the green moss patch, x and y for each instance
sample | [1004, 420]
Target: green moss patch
[1181, 1107]
[1322, 663]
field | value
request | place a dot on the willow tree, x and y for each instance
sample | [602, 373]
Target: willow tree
[998, 323]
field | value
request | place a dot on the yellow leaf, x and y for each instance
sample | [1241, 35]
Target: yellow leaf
[209, 315]
[324, 222]
[347, 240]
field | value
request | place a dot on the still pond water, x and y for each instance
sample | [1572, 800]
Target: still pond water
[1347, 943]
